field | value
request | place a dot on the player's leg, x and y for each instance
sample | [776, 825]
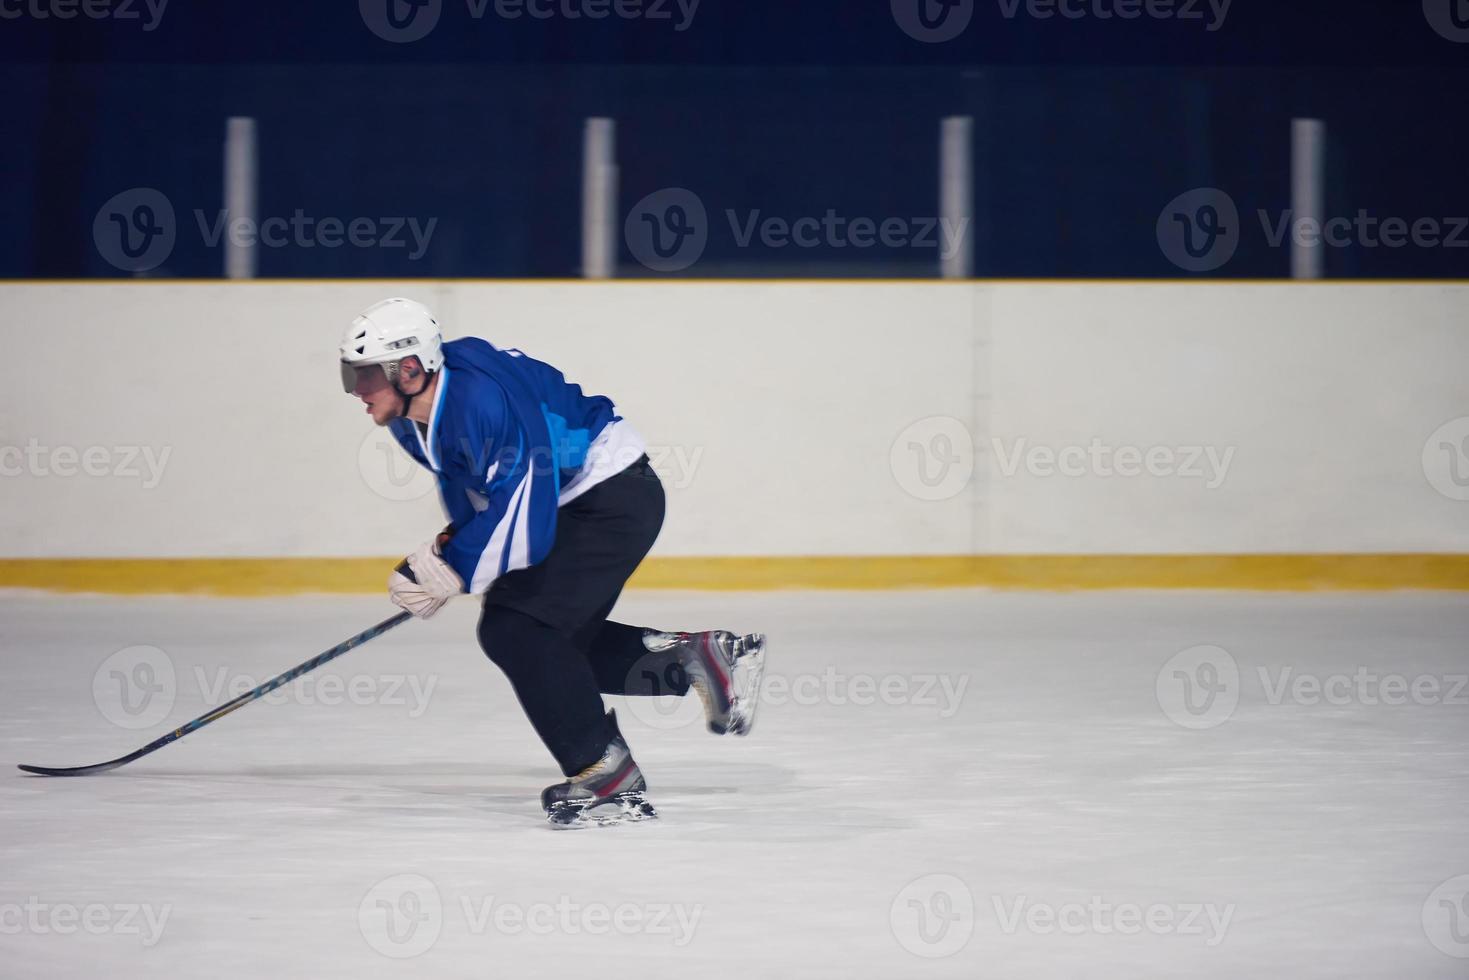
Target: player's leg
[723, 667]
[538, 612]
[622, 662]
[558, 692]
[554, 683]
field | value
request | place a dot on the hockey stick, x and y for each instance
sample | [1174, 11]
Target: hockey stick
[225, 709]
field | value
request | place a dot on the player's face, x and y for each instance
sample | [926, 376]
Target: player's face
[382, 399]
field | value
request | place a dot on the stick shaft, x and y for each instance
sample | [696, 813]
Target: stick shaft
[239, 702]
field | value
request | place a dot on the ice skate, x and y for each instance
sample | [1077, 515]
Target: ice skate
[609, 791]
[724, 668]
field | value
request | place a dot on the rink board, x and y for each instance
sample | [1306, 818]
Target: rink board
[1049, 435]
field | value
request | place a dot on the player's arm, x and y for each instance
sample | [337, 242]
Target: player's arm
[518, 524]
[514, 529]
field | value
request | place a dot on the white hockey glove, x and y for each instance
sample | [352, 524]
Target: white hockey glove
[429, 584]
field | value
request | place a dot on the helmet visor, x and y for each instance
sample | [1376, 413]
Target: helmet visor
[363, 378]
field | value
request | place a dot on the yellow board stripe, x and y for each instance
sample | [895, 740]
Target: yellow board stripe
[287, 576]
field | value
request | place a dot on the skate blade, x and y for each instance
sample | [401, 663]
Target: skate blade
[742, 708]
[627, 808]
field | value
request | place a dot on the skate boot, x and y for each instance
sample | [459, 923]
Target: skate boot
[609, 791]
[725, 669]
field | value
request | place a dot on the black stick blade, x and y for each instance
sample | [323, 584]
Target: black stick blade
[73, 770]
[111, 764]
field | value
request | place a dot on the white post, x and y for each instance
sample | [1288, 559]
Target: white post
[1308, 197]
[240, 176]
[599, 199]
[956, 195]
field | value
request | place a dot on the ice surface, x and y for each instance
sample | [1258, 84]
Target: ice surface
[1024, 747]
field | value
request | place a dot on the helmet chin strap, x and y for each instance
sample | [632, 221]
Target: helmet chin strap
[407, 398]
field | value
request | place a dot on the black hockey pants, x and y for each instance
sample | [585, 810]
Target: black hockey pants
[546, 626]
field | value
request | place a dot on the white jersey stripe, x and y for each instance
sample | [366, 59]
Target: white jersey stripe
[488, 567]
[520, 539]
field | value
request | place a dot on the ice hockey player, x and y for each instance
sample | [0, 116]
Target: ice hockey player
[552, 504]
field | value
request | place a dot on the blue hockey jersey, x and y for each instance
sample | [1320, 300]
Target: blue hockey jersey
[511, 441]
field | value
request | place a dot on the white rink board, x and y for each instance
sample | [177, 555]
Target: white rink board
[1325, 395]
[789, 416]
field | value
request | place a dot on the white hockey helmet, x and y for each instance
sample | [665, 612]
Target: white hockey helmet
[387, 332]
